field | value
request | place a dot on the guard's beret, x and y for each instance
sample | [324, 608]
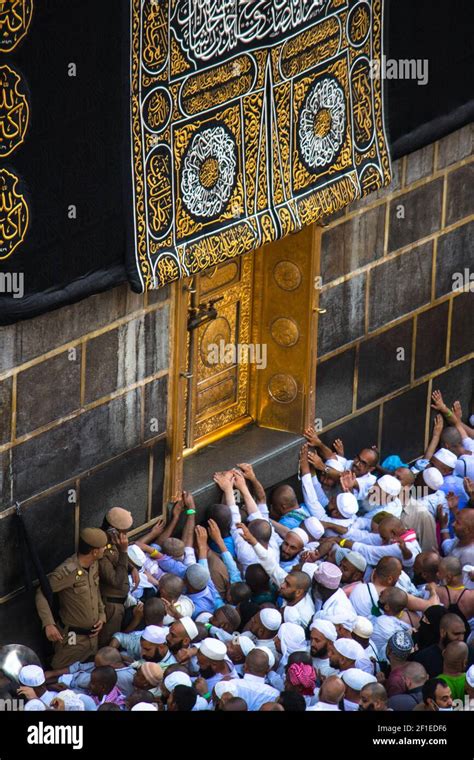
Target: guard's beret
[94, 537]
[119, 518]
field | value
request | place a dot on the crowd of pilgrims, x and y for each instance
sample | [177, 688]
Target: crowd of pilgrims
[359, 595]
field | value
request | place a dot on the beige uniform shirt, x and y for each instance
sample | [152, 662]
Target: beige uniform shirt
[80, 602]
[113, 570]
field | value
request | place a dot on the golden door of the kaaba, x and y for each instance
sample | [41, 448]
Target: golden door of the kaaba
[245, 342]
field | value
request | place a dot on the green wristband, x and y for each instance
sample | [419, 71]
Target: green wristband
[190, 511]
[207, 696]
[208, 626]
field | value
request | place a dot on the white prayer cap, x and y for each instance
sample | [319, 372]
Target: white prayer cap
[197, 576]
[470, 676]
[35, 705]
[349, 648]
[314, 527]
[72, 701]
[31, 675]
[310, 568]
[178, 678]
[301, 534]
[185, 607]
[433, 478]
[136, 555]
[347, 504]
[342, 617]
[325, 627]
[203, 617]
[363, 627]
[189, 626]
[213, 649]
[334, 464]
[246, 644]
[390, 485]
[144, 707]
[292, 638]
[225, 687]
[270, 618]
[446, 457]
[270, 655]
[357, 560]
[356, 679]
[155, 634]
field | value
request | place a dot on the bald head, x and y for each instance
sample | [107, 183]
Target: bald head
[415, 673]
[108, 656]
[235, 704]
[388, 570]
[284, 499]
[302, 580]
[257, 663]
[171, 586]
[450, 567]
[455, 657]
[272, 707]
[451, 438]
[375, 692]
[261, 530]
[332, 690]
[405, 476]
[394, 600]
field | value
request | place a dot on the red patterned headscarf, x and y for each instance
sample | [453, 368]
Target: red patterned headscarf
[304, 676]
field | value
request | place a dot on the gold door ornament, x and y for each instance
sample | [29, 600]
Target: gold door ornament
[14, 215]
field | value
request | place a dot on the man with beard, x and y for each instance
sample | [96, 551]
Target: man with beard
[451, 628]
[322, 633]
[354, 680]
[373, 698]
[361, 467]
[180, 635]
[462, 546]
[327, 595]
[213, 662]
[148, 676]
[352, 565]
[153, 646]
[344, 653]
[436, 697]
[293, 586]
[453, 591]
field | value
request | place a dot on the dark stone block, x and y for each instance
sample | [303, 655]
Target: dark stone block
[123, 483]
[37, 336]
[456, 146]
[77, 445]
[460, 194]
[48, 391]
[101, 365]
[431, 334]
[160, 295]
[359, 432]
[345, 318]
[380, 371]
[5, 410]
[157, 342]
[50, 524]
[273, 454]
[422, 215]
[334, 383]
[159, 461]
[456, 384]
[462, 329]
[156, 404]
[454, 255]
[20, 624]
[5, 479]
[352, 244]
[419, 164]
[124, 356]
[403, 424]
[400, 285]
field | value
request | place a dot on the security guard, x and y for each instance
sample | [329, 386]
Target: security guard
[114, 570]
[75, 632]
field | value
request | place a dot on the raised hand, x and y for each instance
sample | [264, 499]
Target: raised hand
[347, 481]
[457, 410]
[338, 447]
[225, 480]
[246, 534]
[438, 402]
[188, 500]
[304, 461]
[441, 517]
[201, 539]
[239, 481]
[438, 425]
[453, 502]
[315, 460]
[311, 436]
[247, 471]
[469, 488]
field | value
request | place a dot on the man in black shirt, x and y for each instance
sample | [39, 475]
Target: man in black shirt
[451, 628]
